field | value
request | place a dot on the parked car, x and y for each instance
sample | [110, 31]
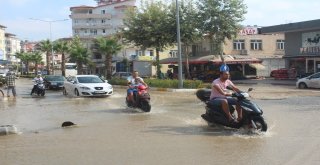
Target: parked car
[87, 85]
[121, 75]
[312, 81]
[54, 82]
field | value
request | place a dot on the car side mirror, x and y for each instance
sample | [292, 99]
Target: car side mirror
[250, 89]
[106, 81]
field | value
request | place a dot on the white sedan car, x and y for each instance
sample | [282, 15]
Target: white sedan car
[87, 85]
[312, 81]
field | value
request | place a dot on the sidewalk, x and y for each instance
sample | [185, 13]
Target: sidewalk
[270, 81]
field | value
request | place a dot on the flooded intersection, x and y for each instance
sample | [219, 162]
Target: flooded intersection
[172, 133]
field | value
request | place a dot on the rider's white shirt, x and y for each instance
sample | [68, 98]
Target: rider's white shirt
[133, 81]
[37, 80]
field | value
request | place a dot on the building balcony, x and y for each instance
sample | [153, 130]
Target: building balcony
[93, 16]
[92, 26]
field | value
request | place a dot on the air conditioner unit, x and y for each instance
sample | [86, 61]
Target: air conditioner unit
[243, 52]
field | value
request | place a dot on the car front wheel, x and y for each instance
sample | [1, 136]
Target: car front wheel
[76, 92]
[303, 85]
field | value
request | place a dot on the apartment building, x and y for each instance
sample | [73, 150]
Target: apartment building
[102, 20]
[2, 43]
[106, 19]
[13, 46]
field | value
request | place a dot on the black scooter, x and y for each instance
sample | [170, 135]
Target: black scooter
[251, 112]
[40, 89]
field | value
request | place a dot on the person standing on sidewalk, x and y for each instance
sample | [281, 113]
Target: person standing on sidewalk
[11, 83]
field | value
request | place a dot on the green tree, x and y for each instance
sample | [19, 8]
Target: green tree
[62, 47]
[149, 27]
[189, 26]
[46, 47]
[36, 58]
[107, 47]
[79, 54]
[220, 20]
[25, 58]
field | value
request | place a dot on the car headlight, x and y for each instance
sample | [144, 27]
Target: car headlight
[84, 88]
[110, 87]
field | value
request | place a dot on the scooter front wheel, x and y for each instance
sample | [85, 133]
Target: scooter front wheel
[259, 124]
[145, 106]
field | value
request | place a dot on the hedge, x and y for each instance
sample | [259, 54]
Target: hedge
[162, 83]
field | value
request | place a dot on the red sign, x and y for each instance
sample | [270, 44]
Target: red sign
[248, 31]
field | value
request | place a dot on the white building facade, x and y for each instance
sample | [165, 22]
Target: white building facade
[13, 45]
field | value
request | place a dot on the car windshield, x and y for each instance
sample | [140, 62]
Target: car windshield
[55, 78]
[89, 80]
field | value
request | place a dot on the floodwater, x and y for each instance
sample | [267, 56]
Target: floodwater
[172, 133]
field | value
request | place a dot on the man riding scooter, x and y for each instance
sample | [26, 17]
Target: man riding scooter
[133, 82]
[221, 96]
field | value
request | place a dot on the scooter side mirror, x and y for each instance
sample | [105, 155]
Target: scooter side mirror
[250, 89]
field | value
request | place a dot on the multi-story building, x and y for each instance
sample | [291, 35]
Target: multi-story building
[2, 43]
[252, 53]
[302, 50]
[106, 19]
[13, 46]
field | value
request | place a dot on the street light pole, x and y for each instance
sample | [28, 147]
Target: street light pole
[180, 86]
[50, 23]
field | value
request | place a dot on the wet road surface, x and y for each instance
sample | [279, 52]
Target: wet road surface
[172, 133]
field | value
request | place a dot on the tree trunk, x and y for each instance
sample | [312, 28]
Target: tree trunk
[158, 64]
[79, 67]
[63, 65]
[48, 63]
[187, 63]
[36, 68]
[108, 64]
[27, 66]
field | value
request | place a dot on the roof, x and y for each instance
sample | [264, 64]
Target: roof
[1, 26]
[292, 27]
[215, 59]
[81, 7]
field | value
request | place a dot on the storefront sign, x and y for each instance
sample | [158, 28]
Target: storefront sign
[310, 50]
[311, 39]
[310, 43]
[248, 31]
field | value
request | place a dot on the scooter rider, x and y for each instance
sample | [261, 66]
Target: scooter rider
[220, 94]
[36, 80]
[133, 82]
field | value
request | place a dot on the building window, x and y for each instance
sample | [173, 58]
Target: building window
[173, 54]
[151, 53]
[76, 31]
[280, 44]
[238, 44]
[103, 30]
[256, 44]
[140, 53]
[103, 11]
[85, 31]
[103, 21]
[90, 11]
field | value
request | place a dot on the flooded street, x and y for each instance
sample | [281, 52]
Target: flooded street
[172, 133]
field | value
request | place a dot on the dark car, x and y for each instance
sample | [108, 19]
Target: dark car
[54, 81]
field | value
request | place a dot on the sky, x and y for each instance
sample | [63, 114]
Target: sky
[16, 15]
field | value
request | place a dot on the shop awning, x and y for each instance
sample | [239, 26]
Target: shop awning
[213, 59]
[257, 66]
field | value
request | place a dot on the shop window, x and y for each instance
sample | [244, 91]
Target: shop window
[238, 45]
[256, 44]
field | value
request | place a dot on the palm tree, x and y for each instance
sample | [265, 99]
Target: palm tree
[25, 58]
[46, 46]
[107, 47]
[79, 54]
[63, 48]
[36, 58]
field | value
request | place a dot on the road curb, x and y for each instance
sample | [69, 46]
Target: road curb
[160, 89]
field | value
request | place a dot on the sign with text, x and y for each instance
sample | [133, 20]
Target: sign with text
[310, 43]
[248, 31]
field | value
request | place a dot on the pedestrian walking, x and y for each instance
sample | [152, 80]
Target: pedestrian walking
[11, 83]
